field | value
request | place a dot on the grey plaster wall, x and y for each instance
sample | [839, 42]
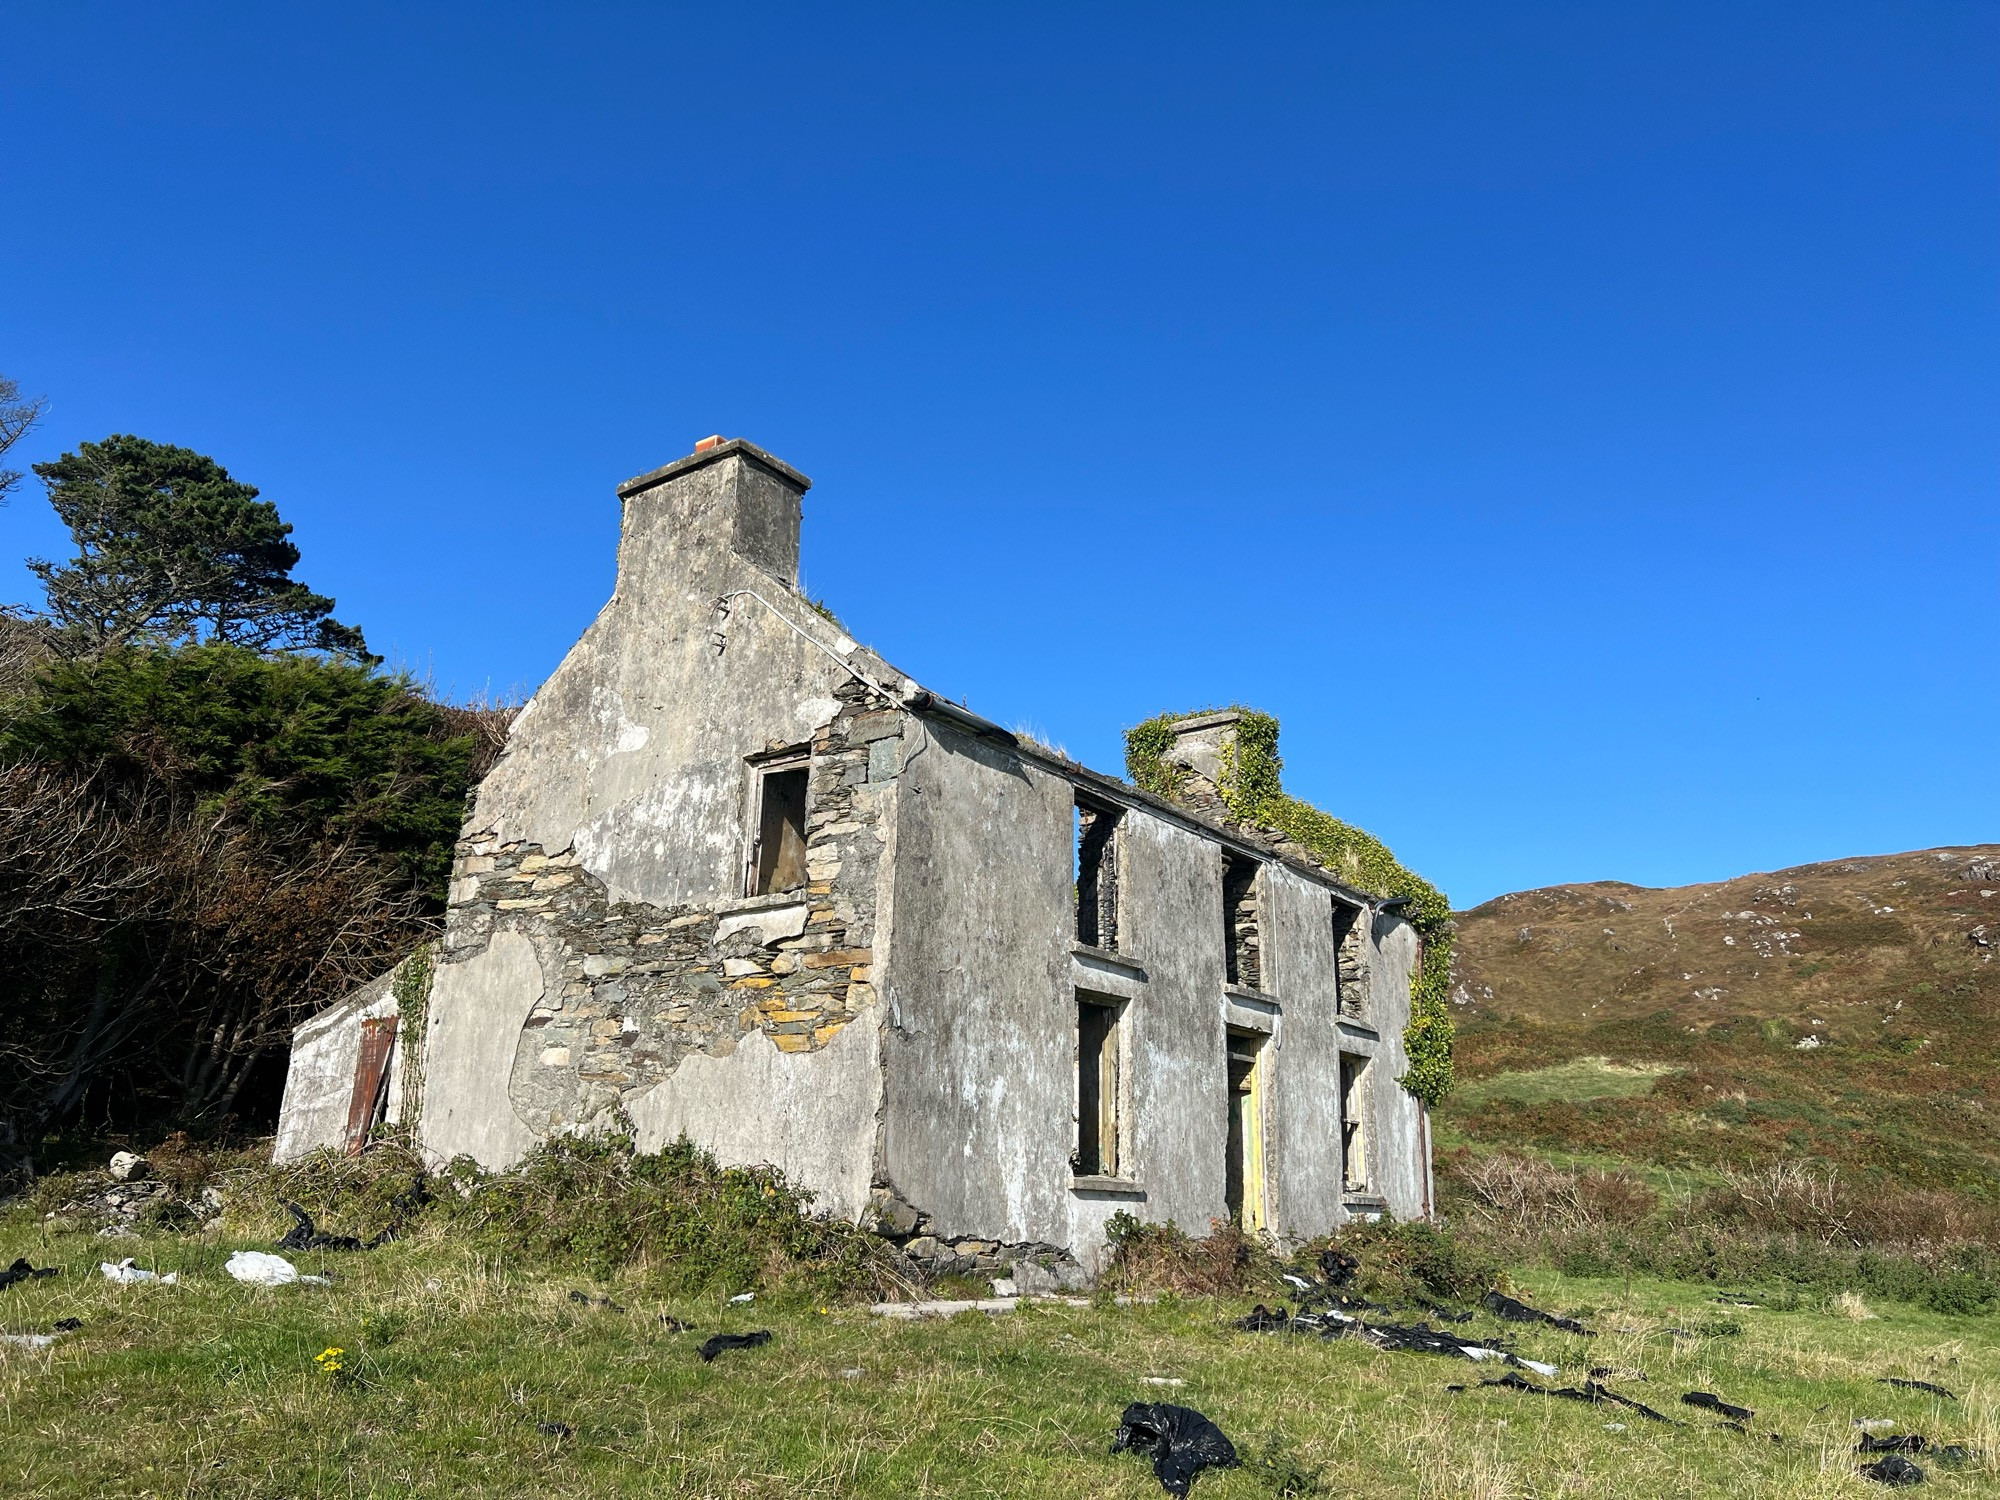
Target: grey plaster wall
[1302, 1081]
[632, 753]
[978, 1047]
[478, 1008]
[1400, 1159]
[319, 1079]
[813, 1113]
[1170, 885]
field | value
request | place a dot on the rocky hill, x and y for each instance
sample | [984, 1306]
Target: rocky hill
[1848, 1011]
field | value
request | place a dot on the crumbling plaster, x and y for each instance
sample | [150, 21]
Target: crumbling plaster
[478, 1009]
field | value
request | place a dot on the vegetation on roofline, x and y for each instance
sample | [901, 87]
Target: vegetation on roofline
[1252, 790]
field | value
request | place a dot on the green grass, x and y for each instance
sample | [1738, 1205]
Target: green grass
[209, 1389]
[1571, 1082]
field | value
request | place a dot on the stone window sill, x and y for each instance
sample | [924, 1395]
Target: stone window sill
[1254, 997]
[1121, 1187]
[794, 897]
[1108, 959]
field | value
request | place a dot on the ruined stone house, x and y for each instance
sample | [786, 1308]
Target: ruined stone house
[741, 879]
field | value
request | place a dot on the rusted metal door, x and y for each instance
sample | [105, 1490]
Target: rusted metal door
[371, 1081]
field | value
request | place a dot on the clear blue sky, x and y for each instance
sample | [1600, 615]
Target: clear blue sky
[1576, 423]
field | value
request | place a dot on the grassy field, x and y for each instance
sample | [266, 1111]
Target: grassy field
[209, 1388]
[1836, 1013]
[1788, 1078]
[1571, 1082]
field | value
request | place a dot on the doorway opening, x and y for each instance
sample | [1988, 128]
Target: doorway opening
[1243, 1168]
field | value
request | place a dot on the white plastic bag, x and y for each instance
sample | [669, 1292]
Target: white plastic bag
[128, 1273]
[261, 1268]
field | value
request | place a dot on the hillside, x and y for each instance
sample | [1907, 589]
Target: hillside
[1844, 1011]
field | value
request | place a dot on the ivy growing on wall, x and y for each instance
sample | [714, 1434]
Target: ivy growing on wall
[411, 987]
[1252, 790]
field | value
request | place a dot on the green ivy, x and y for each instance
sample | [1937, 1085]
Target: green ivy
[1252, 790]
[411, 987]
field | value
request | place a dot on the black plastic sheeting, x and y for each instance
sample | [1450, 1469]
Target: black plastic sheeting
[1895, 1469]
[1916, 1442]
[1409, 1338]
[721, 1342]
[306, 1235]
[1180, 1441]
[22, 1271]
[1916, 1385]
[1590, 1392]
[1709, 1401]
[1503, 1306]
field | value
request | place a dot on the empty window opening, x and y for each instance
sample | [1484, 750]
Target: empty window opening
[1243, 1166]
[1096, 1088]
[1096, 875]
[1350, 948]
[1242, 951]
[779, 860]
[1353, 1122]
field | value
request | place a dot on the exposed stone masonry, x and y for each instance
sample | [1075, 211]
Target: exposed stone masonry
[1035, 1267]
[1097, 876]
[1350, 936]
[1239, 914]
[631, 989]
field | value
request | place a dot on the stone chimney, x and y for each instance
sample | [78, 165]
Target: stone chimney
[727, 494]
[1201, 746]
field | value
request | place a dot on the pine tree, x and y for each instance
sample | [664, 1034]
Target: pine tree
[172, 551]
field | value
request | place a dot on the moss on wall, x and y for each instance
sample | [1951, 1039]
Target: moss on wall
[1252, 790]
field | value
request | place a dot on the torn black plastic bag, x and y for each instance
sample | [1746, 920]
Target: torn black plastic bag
[305, 1235]
[1503, 1306]
[1591, 1392]
[719, 1343]
[1915, 1442]
[1180, 1441]
[1337, 1268]
[1894, 1470]
[1709, 1401]
[1916, 1385]
[1334, 1288]
[22, 1271]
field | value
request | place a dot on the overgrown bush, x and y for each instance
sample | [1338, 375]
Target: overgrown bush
[593, 1204]
[1418, 1260]
[1403, 1261]
[1166, 1258]
[384, 1188]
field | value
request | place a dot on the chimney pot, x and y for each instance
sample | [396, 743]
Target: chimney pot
[712, 441]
